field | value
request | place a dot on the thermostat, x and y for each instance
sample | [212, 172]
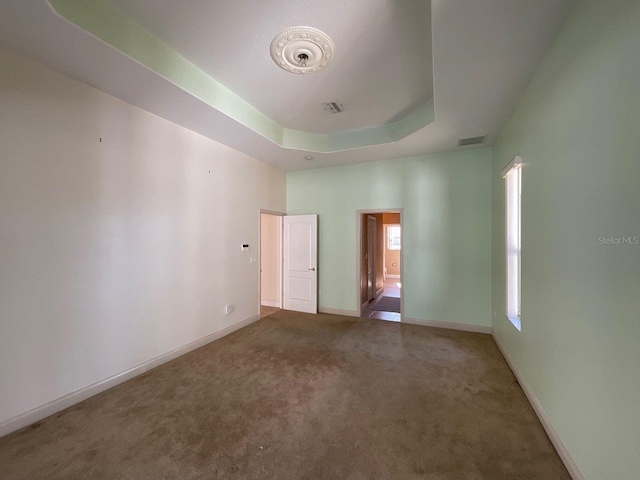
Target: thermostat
[245, 247]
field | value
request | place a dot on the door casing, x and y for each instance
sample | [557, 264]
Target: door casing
[359, 233]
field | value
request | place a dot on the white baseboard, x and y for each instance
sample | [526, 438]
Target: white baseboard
[557, 442]
[270, 303]
[55, 406]
[450, 325]
[379, 292]
[337, 311]
[392, 276]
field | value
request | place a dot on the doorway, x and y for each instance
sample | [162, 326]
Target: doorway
[380, 264]
[288, 263]
[270, 263]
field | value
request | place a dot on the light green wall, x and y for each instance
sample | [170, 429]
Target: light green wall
[578, 131]
[447, 237]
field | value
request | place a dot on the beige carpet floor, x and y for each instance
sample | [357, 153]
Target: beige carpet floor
[295, 397]
[266, 311]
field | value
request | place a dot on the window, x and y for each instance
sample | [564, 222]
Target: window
[513, 177]
[393, 237]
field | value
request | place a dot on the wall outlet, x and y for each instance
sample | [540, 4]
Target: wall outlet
[494, 314]
[228, 309]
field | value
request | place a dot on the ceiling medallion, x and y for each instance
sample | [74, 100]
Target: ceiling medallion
[302, 50]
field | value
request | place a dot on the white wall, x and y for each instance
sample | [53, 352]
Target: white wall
[113, 252]
[270, 260]
[576, 129]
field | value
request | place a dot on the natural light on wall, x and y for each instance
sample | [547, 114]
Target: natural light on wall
[513, 177]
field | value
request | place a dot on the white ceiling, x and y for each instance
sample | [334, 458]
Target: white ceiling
[382, 68]
[483, 54]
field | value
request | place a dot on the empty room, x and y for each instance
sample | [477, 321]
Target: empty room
[299, 240]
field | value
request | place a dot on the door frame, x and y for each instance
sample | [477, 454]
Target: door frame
[281, 259]
[359, 233]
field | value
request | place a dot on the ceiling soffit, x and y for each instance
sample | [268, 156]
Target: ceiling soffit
[102, 20]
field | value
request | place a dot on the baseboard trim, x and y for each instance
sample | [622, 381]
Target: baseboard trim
[379, 292]
[55, 406]
[557, 442]
[270, 303]
[392, 276]
[449, 325]
[338, 311]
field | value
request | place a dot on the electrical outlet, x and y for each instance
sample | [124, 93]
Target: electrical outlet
[228, 309]
[494, 314]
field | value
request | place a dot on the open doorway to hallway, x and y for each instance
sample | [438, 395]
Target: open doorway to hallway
[380, 259]
[270, 263]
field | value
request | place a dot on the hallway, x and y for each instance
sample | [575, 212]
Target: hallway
[393, 289]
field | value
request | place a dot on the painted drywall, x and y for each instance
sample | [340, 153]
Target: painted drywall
[392, 260]
[117, 251]
[447, 230]
[576, 129]
[391, 218]
[270, 260]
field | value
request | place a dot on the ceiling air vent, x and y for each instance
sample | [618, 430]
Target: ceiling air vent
[463, 142]
[333, 107]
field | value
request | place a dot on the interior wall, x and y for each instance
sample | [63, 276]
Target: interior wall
[392, 261]
[120, 235]
[270, 260]
[447, 236]
[576, 129]
[391, 218]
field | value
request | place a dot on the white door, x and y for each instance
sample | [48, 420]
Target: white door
[301, 263]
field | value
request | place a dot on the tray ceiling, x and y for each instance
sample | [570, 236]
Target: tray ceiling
[413, 77]
[381, 70]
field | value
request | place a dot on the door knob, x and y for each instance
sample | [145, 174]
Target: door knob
[312, 269]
